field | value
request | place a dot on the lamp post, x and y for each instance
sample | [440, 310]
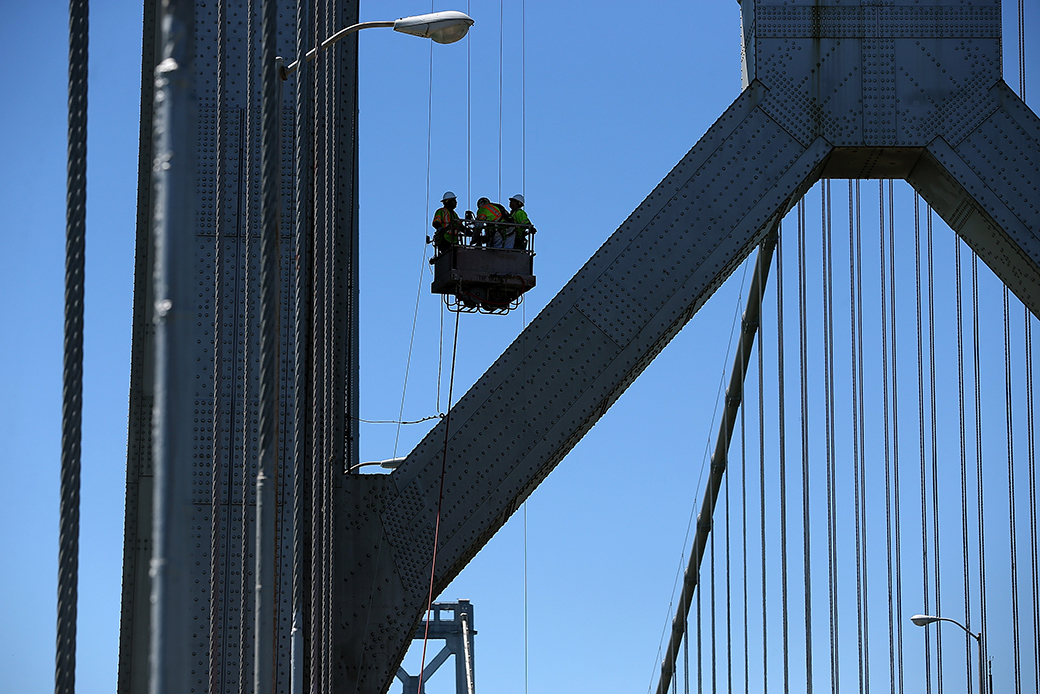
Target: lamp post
[441, 27]
[923, 620]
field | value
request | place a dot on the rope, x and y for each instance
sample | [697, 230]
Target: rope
[501, 48]
[783, 453]
[72, 371]
[399, 422]
[1009, 415]
[803, 378]
[422, 269]
[440, 502]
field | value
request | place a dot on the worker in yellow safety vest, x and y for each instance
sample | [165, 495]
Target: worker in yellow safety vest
[519, 234]
[446, 223]
[487, 211]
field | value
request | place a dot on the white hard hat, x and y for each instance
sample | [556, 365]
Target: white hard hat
[519, 198]
[448, 196]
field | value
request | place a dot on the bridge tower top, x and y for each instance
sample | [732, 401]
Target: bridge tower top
[864, 73]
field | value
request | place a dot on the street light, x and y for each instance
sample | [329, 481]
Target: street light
[441, 27]
[923, 620]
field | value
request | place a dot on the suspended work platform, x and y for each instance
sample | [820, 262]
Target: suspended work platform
[482, 279]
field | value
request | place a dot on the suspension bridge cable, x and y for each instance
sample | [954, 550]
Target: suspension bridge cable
[1031, 470]
[711, 606]
[219, 482]
[743, 528]
[897, 495]
[783, 456]
[248, 328]
[1009, 420]
[859, 441]
[72, 362]
[440, 503]
[828, 377]
[980, 484]
[921, 439]
[729, 587]
[759, 272]
[887, 434]
[932, 381]
[803, 382]
[964, 458]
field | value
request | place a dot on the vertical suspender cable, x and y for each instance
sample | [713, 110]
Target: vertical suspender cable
[302, 387]
[760, 272]
[803, 382]
[896, 493]
[266, 634]
[700, 633]
[246, 396]
[922, 447]
[964, 459]
[1031, 469]
[219, 483]
[729, 593]
[1009, 416]
[935, 451]
[828, 373]
[72, 366]
[743, 532]
[781, 416]
[711, 608]
[980, 484]
[1030, 442]
[859, 442]
[887, 436]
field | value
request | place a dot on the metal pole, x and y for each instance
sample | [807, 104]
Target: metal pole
[734, 397]
[265, 637]
[174, 177]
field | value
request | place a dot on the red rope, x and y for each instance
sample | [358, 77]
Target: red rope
[440, 502]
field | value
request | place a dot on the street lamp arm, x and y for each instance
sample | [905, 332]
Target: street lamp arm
[353, 29]
[967, 631]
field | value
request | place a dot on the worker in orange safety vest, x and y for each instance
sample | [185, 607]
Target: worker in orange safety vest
[488, 211]
[446, 223]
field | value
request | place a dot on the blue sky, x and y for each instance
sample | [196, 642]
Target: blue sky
[595, 110]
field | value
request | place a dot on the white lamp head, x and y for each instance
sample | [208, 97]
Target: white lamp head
[923, 619]
[442, 27]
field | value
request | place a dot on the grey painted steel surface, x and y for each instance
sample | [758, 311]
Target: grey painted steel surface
[174, 636]
[221, 462]
[843, 89]
[846, 89]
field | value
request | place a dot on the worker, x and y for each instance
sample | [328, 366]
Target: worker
[488, 212]
[516, 212]
[446, 223]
